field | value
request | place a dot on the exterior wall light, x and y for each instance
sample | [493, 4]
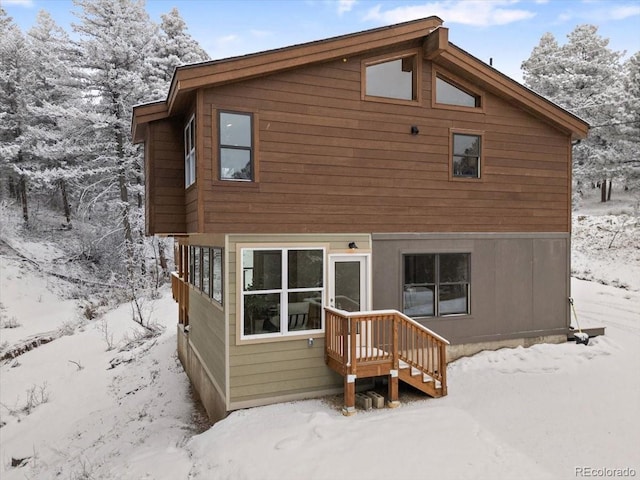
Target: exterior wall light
[414, 130]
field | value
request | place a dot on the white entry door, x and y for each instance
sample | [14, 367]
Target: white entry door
[349, 283]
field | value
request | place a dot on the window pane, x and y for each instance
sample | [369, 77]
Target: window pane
[468, 145]
[235, 129]
[451, 95]
[454, 267]
[304, 310]
[465, 167]
[394, 79]
[419, 300]
[206, 285]
[196, 268]
[347, 286]
[216, 260]
[192, 265]
[305, 268]
[235, 164]
[261, 313]
[453, 299]
[419, 269]
[262, 269]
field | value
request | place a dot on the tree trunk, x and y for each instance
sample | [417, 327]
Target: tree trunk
[12, 187]
[609, 192]
[22, 192]
[163, 257]
[65, 202]
[603, 191]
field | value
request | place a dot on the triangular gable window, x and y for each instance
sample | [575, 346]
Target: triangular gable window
[450, 94]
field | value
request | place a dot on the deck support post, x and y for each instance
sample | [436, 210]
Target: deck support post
[393, 389]
[349, 395]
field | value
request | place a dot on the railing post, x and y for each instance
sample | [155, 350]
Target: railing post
[393, 374]
[442, 367]
[350, 362]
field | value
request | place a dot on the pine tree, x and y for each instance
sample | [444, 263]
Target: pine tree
[52, 106]
[628, 120]
[14, 69]
[582, 76]
[115, 40]
[173, 47]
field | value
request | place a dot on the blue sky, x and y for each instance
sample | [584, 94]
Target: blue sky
[505, 30]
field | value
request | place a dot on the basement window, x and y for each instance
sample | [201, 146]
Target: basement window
[436, 284]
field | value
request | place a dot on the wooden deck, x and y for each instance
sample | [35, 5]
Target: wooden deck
[385, 342]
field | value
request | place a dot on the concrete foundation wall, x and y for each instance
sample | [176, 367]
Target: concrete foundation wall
[211, 397]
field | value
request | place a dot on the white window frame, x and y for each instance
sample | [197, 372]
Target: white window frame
[283, 292]
[190, 152]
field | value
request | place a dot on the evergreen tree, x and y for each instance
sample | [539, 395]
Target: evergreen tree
[14, 69]
[51, 99]
[582, 76]
[115, 40]
[628, 121]
[173, 47]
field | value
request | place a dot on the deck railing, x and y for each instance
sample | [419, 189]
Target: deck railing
[366, 344]
[180, 292]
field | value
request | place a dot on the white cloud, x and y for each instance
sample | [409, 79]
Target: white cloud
[345, 6]
[597, 14]
[623, 11]
[261, 33]
[226, 39]
[19, 3]
[480, 13]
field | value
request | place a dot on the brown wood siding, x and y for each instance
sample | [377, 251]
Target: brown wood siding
[164, 170]
[330, 162]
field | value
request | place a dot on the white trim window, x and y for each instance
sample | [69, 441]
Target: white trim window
[190, 152]
[282, 291]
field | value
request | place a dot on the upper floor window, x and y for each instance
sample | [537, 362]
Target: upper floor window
[449, 94]
[466, 155]
[190, 152]
[236, 146]
[395, 78]
[436, 284]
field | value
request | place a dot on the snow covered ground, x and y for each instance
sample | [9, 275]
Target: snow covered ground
[102, 401]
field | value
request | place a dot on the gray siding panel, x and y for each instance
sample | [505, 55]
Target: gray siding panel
[519, 282]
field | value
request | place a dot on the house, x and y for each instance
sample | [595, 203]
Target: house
[354, 207]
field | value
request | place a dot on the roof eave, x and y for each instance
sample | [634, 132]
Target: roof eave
[438, 49]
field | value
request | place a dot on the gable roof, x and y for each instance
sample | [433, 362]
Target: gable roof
[436, 47]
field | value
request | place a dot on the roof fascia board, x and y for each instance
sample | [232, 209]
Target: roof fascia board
[437, 48]
[241, 68]
[143, 114]
[436, 43]
[501, 84]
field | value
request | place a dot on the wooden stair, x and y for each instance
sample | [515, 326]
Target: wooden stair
[418, 379]
[384, 342]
